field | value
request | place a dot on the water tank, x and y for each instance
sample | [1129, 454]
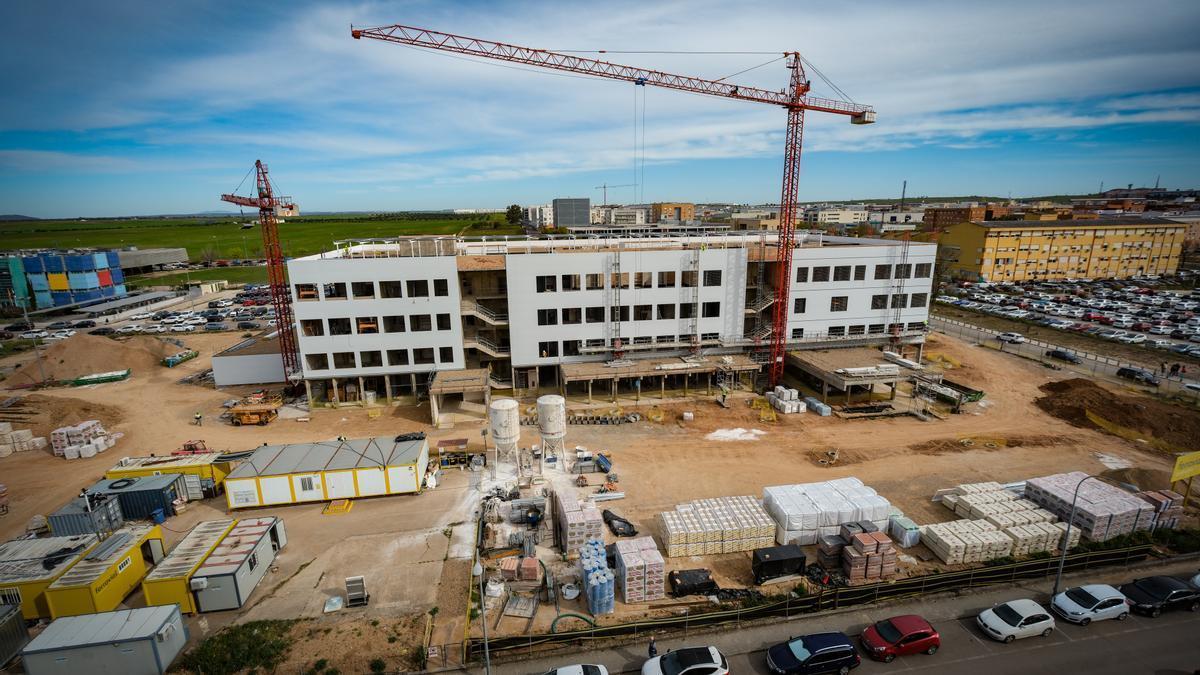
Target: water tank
[504, 418]
[552, 416]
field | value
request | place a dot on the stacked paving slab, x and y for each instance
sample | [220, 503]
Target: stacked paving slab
[719, 525]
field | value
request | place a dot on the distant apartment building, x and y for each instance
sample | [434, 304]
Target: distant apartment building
[820, 216]
[754, 219]
[572, 212]
[1020, 250]
[942, 217]
[541, 217]
[672, 212]
[895, 218]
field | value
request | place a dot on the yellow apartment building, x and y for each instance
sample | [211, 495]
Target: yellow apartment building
[1018, 250]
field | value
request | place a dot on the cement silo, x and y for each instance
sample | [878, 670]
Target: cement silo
[505, 422]
[552, 424]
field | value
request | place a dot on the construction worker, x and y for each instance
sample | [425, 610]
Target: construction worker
[653, 651]
[198, 419]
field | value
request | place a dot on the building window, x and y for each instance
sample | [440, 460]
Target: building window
[595, 342]
[879, 301]
[572, 315]
[837, 331]
[317, 361]
[443, 321]
[548, 349]
[419, 323]
[689, 279]
[311, 328]
[712, 277]
[904, 271]
[643, 280]
[397, 357]
[643, 312]
[860, 272]
[918, 300]
[363, 289]
[841, 273]
[366, 325]
[547, 317]
[306, 485]
[371, 359]
[335, 291]
[391, 289]
[799, 305]
[710, 310]
[594, 314]
[820, 274]
[570, 347]
[423, 356]
[339, 327]
[665, 339]
[924, 270]
[618, 280]
[343, 360]
[875, 329]
[858, 330]
[687, 310]
[306, 292]
[666, 280]
[393, 324]
[801, 275]
[418, 288]
[618, 313]
[797, 333]
[709, 337]
[446, 354]
[666, 311]
[546, 283]
[570, 282]
[883, 271]
[899, 301]
[595, 282]
[441, 288]
[838, 303]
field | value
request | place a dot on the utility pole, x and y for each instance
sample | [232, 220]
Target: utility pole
[37, 343]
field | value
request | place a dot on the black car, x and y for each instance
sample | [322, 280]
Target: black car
[816, 653]
[247, 325]
[1154, 595]
[1063, 355]
[86, 323]
[1138, 375]
[19, 326]
[103, 330]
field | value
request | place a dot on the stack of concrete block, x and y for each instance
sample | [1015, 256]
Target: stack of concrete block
[509, 567]
[816, 406]
[966, 541]
[904, 532]
[18, 440]
[1068, 540]
[1034, 538]
[1167, 505]
[870, 556]
[720, 525]
[641, 570]
[85, 439]
[1102, 511]
[805, 512]
[786, 401]
[829, 551]
[578, 521]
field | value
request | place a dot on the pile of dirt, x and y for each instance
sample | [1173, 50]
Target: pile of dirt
[44, 414]
[1070, 400]
[1146, 479]
[84, 354]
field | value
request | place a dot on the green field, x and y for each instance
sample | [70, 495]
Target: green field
[219, 238]
[234, 275]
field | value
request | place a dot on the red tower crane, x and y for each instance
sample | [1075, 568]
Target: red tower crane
[281, 296]
[794, 100]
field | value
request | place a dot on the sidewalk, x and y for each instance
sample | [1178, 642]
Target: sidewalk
[943, 607]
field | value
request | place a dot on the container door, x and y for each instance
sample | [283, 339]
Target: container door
[195, 491]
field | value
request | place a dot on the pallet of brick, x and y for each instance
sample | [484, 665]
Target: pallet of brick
[508, 568]
[854, 564]
[1102, 510]
[864, 543]
[1069, 540]
[656, 574]
[943, 543]
[950, 502]
[973, 488]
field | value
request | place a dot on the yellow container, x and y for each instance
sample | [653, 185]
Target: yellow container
[58, 281]
[108, 573]
[170, 582]
[23, 578]
[202, 465]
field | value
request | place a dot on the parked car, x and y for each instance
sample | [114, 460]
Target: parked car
[1012, 338]
[1154, 595]
[1015, 619]
[103, 330]
[1138, 375]
[60, 335]
[581, 669]
[688, 661]
[900, 636]
[142, 316]
[1063, 355]
[86, 323]
[59, 325]
[131, 328]
[34, 335]
[7, 335]
[19, 326]
[183, 328]
[1093, 602]
[816, 653]
[247, 325]
[215, 326]
[1132, 339]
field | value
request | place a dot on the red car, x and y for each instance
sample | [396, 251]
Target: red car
[900, 636]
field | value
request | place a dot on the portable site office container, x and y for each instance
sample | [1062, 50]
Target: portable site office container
[230, 573]
[144, 641]
[13, 634]
[91, 514]
[313, 472]
[108, 573]
[203, 474]
[141, 496]
[170, 582]
[28, 566]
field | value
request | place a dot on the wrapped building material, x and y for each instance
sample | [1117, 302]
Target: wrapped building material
[719, 525]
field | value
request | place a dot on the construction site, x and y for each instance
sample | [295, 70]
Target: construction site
[494, 439]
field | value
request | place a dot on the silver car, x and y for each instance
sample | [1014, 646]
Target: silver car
[1093, 602]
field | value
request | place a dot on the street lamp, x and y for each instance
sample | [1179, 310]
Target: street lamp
[1066, 537]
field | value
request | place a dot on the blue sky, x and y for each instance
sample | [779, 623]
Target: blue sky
[122, 107]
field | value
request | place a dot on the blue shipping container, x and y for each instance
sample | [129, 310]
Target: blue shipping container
[114, 260]
[33, 264]
[140, 497]
[38, 282]
[53, 263]
[100, 260]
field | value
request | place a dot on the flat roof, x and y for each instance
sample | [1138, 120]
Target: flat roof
[236, 546]
[456, 381]
[192, 549]
[101, 558]
[356, 453]
[156, 482]
[1098, 222]
[824, 364]
[265, 343]
[151, 296]
[578, 372]
[104, 628]
[21, 560]
[168, 462]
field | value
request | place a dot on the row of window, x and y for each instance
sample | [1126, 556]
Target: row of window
[578, 315]
[862, 329]
[368, 290]
[552, 283]
[859, 272]
[375, 358]
[572, 347]
[841, 303]
[370, 325]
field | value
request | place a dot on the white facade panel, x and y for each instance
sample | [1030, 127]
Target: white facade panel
[402, 479]
[242, 493]
[275, 490]
[307, 487]
[340, 484]
[370, 482]
[250, 369]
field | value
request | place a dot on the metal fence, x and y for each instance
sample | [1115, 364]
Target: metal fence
[827, 599]
[1096, 365]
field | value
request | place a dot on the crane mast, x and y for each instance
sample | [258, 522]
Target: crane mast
[794, 99]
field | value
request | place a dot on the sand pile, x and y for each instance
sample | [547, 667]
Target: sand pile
[1069, 400]
[44, 414]
[84, 354]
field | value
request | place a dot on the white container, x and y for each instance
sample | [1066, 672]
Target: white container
[552, 416]
[505, 421]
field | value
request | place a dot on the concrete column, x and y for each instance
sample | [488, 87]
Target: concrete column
[662, 383]
[920, 352]
[362, 393]
[433, 408]
[589, 391]
[614, 390]
[412, 379]
[387, 386]
[849, 388]
[337, 397]
[892, 395]
[824, 391]
[708, 385]
[308, 393]
[685, 385]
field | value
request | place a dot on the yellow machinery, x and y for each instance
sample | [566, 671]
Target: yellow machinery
[24, 576]
[108, 573]
[253, 413]
[170, 582]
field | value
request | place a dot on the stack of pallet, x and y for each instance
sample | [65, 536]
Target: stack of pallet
[829, 551]
[720, 525]
[870, 556]
[904, 532]
[786, 401]
[20, 440]
[1035, 538]
[966, 541]
[578, 521]
[1102, 511]
[816, 406]
[1167, 505]
[640, 573]
[85, 439]
[803, 513]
